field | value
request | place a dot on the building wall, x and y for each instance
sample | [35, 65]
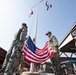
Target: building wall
[2, 56]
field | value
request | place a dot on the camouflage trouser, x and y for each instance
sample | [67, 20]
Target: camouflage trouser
[56, 64]
[8, 55]
[13, 64]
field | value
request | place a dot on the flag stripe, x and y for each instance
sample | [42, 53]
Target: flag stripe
[28, 51]
[34, 61]
[34, 58]
[40, 55]
[37, 61]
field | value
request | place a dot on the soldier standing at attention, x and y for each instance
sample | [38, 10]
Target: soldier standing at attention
[13, 56]
[53, 42]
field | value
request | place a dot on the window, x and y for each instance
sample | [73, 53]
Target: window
[74, 33]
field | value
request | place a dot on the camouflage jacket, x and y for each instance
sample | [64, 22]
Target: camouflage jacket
[53, 42]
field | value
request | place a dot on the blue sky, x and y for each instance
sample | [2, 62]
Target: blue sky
[59, 19]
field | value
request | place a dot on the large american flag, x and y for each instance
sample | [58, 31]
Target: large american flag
[32, 54]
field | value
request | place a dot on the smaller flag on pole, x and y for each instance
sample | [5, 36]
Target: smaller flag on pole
[48, 5]
[31, 13]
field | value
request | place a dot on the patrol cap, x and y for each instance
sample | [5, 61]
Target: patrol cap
[48, 33]
[24, 24]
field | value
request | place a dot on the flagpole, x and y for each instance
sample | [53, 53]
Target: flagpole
[35, 31]
[35, 34]
[36, 23]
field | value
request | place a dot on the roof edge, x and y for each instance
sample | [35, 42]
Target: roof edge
[68, 33]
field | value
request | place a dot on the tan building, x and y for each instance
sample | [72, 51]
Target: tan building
[68, 51]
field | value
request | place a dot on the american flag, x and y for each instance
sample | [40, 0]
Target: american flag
[32, 54]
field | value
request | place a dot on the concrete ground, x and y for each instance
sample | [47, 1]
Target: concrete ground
[36, 73]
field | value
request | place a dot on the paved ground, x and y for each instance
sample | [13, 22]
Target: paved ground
[28, 73]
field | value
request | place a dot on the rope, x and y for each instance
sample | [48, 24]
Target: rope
[37, 3]
[31, 26]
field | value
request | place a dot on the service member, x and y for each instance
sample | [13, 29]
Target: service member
[13, 56]
[53, 42]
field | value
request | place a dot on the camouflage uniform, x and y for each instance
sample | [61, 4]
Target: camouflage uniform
[53, 42]
[12, 59]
